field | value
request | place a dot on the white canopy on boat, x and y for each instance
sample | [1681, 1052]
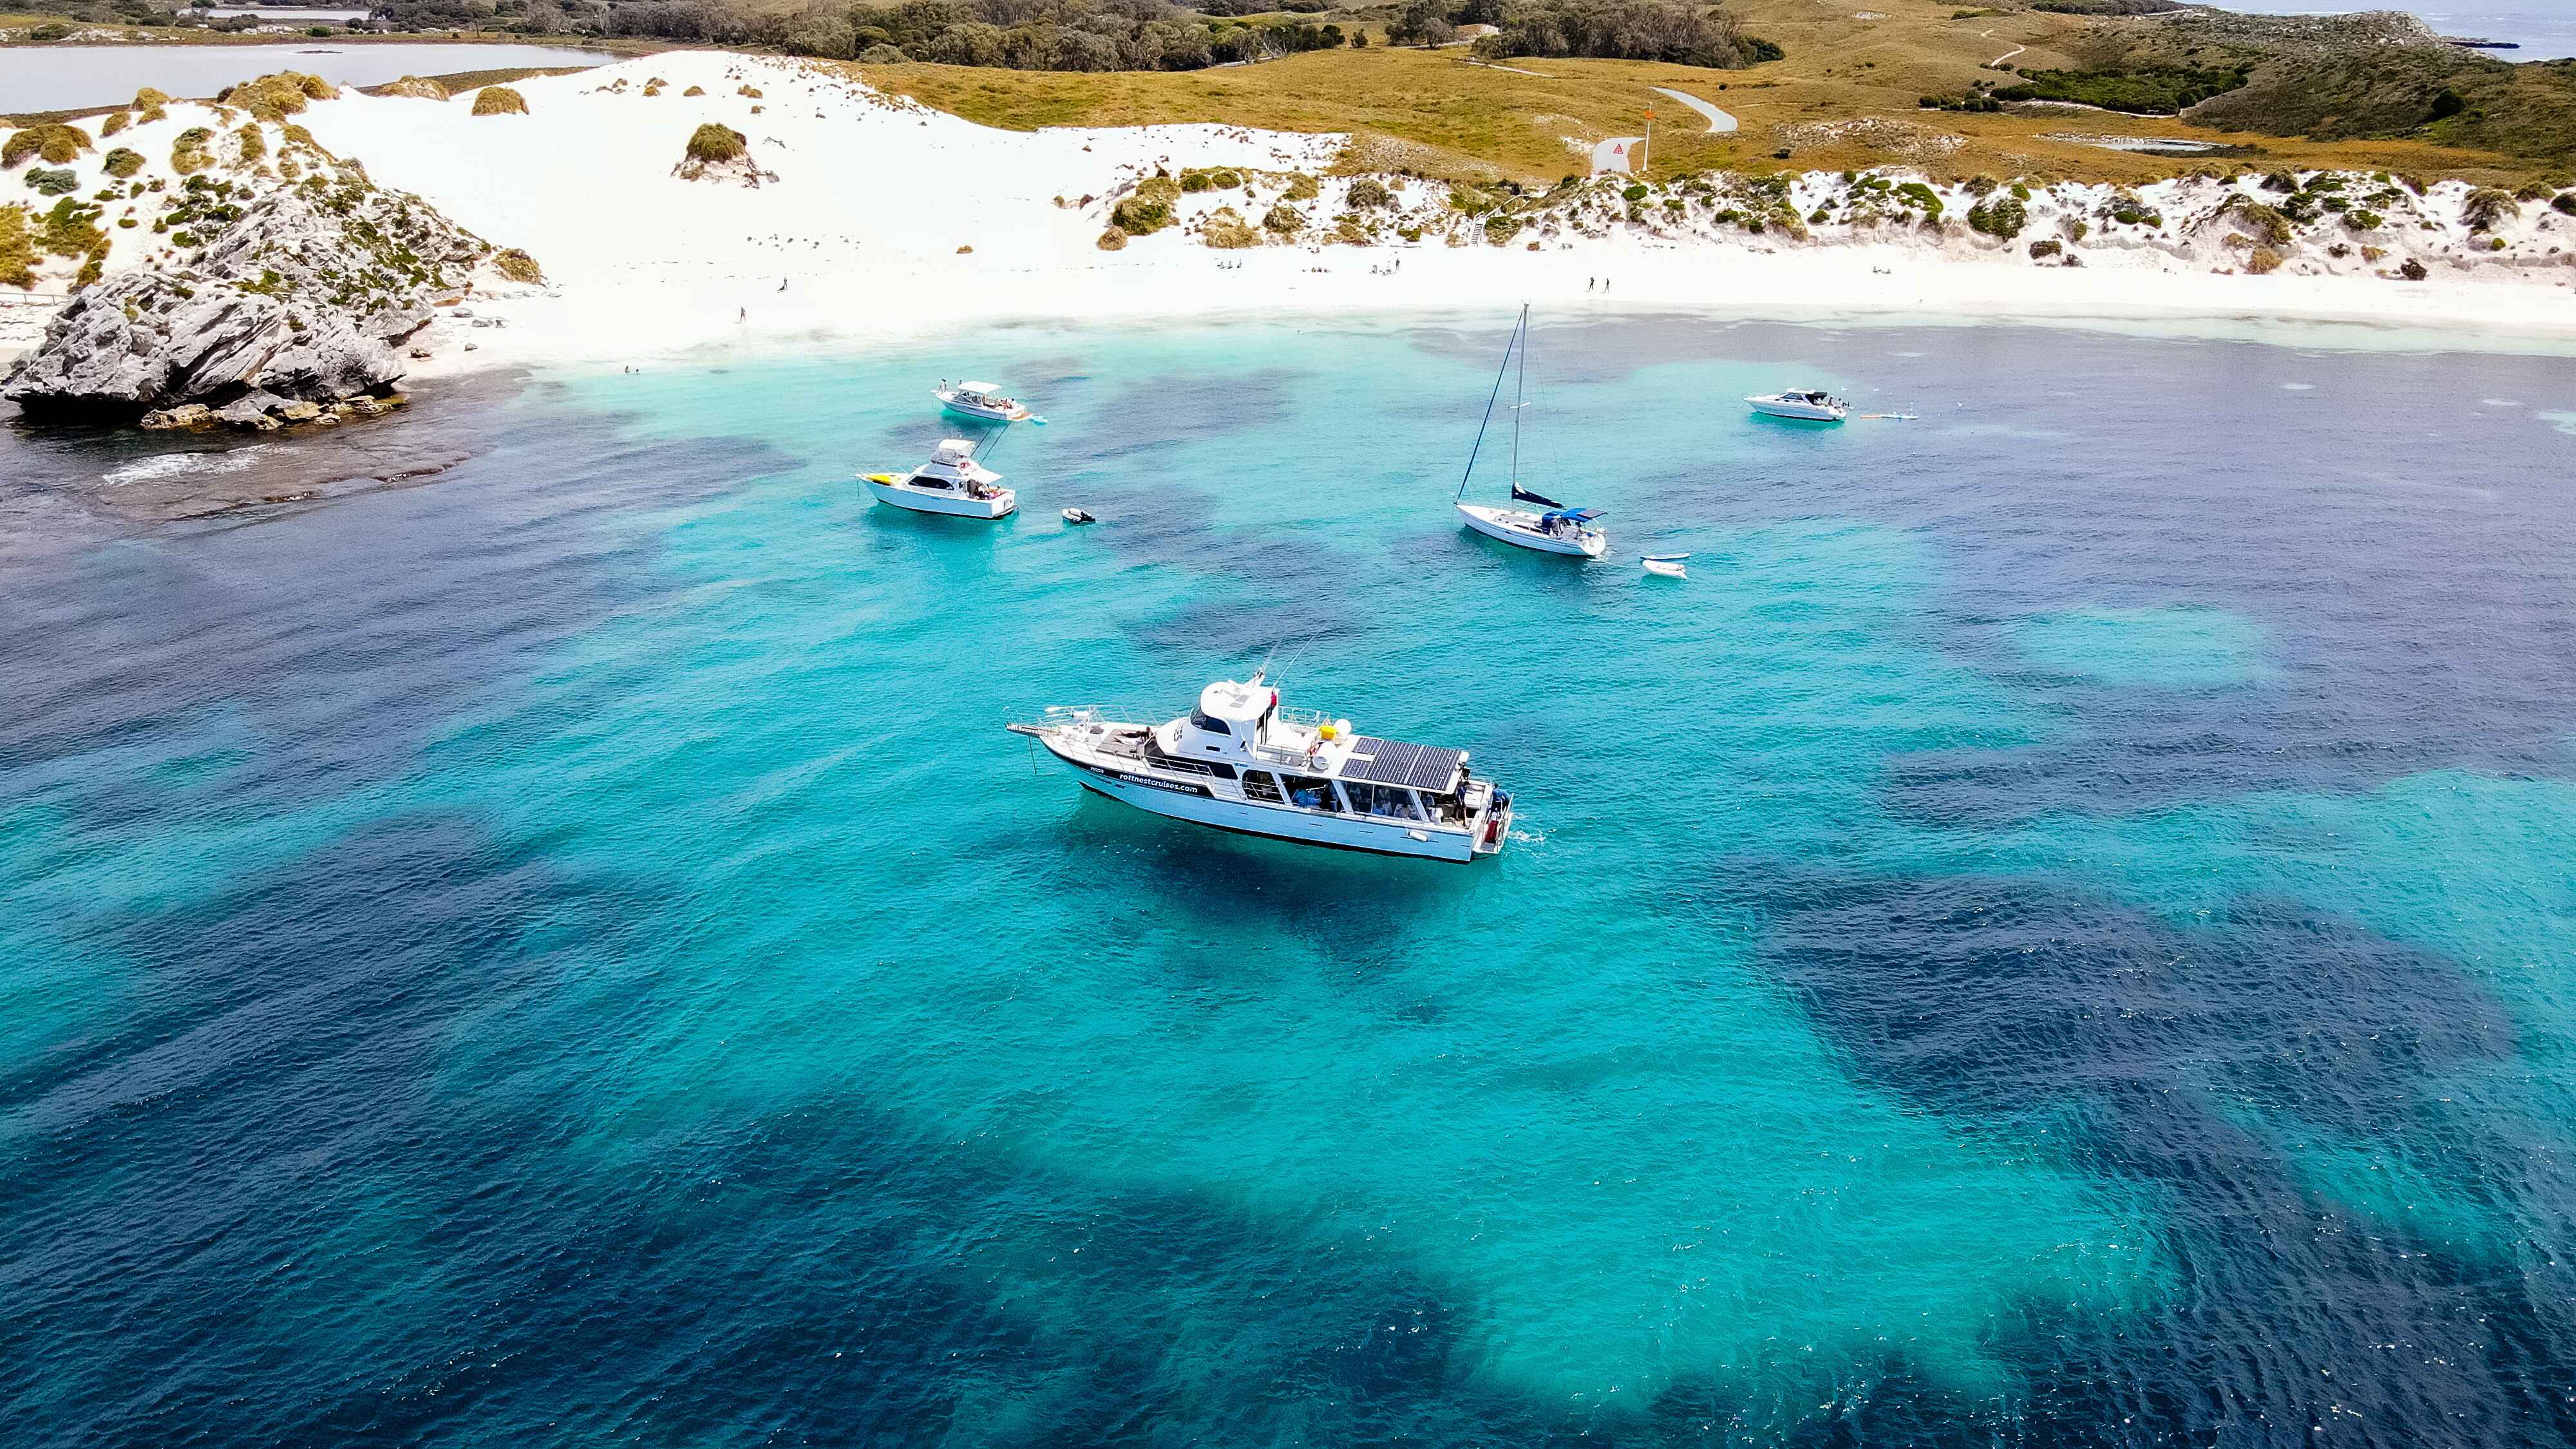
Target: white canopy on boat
[953, 450]
[986, 388]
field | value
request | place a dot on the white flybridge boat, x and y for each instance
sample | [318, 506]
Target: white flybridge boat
[983, 401]
[952, 482]
[1240, 762]
[1547, 526]
[1805, 405]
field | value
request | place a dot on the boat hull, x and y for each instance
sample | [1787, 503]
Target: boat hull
[948, 505]
[1197, 805]
[1491, 523]
[1796, 411]
[983, 414]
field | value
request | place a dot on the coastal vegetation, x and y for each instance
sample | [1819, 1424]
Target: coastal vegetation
[58, 144]
[417, 87]
[499, 101]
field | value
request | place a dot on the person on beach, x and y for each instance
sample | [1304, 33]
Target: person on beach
[1587, 284]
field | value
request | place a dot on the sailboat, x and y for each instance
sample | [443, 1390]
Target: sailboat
[1547, 526]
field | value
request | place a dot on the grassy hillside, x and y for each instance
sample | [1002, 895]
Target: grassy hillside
[1846, 96]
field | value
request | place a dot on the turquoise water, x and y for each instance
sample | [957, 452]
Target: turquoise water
[2056, 931]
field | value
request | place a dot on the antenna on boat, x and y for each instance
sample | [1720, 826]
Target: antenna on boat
[1491, 400]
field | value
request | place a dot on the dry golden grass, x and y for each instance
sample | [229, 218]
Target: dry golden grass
[1442, 114]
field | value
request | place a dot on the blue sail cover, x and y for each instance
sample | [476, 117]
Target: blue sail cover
[1577, 515]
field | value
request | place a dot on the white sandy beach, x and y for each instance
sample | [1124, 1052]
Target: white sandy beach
[887, 221]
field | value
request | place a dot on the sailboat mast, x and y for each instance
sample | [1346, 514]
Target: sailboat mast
[1518, 379]
[1490, 399]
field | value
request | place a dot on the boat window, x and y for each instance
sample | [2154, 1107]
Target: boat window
[1209, 722]
[1311, 793]
[1218, 768]
[1257, 785]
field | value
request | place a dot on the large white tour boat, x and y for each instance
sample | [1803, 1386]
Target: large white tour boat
[1240, 762]
[952, 482]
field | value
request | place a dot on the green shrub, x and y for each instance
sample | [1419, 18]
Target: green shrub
[2485, 207]
[1111, 240]
[2565, 205]
[113, 122]
[1138, 216]
[499, 101]
[17, 251]
[1469, 200]
[1226, 231]
[2411, 269]
[52, 183]
[1196, 181]
[2130, 213]
[2268, 222]
[1922, 196]
[1635, 191]
[58, 144]
[878, 54]
[69, 230]
[518, 266]
[711, 143]
[1301, 187]
[2361, 220]
[2262, 260]
[2000, 217]
[252, 145]
[1368, 191]
[419, 88]
[121, 163]
[1284, 219]
[188, 152]
[275, 97]
[1501, 229]
[2050, 248]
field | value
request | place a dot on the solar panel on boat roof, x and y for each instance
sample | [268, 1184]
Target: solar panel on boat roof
[1393, 762]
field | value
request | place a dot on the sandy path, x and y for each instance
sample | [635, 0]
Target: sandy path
[1718, 121]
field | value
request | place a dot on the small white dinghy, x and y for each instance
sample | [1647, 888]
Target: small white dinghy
[951, 483]
[1806, 405]
[1077, 515]
[1667, 565]
[983, 401]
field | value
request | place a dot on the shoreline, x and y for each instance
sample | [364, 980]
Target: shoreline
[852, 218]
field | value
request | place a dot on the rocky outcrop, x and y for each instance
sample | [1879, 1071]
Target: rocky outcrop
[300, 295]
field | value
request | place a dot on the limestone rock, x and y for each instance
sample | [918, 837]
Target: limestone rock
[251, 410]
[185, 417]
[305, 297]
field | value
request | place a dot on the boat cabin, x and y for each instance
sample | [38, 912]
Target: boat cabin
[1240, 733]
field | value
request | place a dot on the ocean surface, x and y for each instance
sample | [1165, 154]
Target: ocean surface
[2061, 930]
[2540, 29]
[62, 77]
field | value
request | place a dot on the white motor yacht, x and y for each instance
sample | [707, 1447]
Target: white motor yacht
[1808, 406]
[1547, 526]
[1240, 762]
[952, 482]
[984, 401]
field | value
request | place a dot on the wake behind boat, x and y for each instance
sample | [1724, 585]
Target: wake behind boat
[1805, 405]
[1550, 526]
[1240, 762]
[951, 483]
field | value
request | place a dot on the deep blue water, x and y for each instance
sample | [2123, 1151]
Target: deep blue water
[2056, 933]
